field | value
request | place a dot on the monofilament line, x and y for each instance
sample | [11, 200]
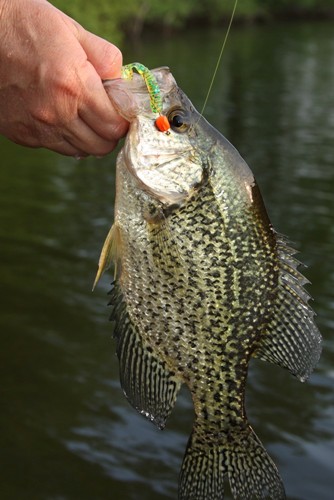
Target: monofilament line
[220, 56]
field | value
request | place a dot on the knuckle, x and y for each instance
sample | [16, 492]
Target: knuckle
[44, 115]
[58, 105]
[66, 84]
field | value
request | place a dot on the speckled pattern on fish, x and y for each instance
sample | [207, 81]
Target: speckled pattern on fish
[203, 284]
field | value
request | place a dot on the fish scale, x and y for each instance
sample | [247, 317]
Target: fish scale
[229, 376]
[203, 284]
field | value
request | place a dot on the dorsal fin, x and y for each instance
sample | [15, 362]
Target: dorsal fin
[292, 340]
[110, 252]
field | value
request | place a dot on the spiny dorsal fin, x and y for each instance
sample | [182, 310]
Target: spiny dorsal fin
[110, 252]
[293, 340]
[147, 382]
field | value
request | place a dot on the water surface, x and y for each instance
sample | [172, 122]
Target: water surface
[66, 431]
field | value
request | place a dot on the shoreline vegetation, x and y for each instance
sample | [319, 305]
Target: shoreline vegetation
[119, 20]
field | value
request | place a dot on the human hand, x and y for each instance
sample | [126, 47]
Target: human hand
[51, 94]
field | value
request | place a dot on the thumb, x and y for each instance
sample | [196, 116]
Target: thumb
[104, 56]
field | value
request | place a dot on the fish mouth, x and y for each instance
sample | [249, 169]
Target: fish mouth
[167, 166]
[131, 97]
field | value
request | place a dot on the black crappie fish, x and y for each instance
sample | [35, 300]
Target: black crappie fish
[203, 283]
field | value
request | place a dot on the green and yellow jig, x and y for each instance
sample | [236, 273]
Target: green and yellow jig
[161, 122]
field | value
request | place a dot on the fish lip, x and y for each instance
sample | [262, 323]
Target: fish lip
[118, 93]
[131, 97]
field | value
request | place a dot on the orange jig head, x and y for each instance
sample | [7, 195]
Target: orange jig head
[162, 123]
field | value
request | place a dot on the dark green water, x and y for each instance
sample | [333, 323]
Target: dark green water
[66, 431]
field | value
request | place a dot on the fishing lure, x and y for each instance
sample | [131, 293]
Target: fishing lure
[161, 122]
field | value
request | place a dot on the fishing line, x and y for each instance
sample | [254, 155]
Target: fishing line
[219, 57]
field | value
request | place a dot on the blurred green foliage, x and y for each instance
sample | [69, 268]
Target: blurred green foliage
[114, 19]
[299, 5]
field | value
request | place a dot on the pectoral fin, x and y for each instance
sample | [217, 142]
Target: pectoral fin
[147, 382]
[110, 252]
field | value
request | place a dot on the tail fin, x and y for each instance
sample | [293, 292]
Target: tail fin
[238, 455]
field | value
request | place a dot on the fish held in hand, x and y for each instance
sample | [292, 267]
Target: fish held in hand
[203, 284]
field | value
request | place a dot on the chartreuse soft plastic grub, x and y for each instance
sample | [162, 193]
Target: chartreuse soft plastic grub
[161, 122]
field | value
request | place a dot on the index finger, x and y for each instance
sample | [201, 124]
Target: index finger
[104, 60]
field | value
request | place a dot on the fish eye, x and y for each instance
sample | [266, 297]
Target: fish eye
[177, 120]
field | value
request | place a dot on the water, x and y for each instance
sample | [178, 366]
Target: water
[67, 432]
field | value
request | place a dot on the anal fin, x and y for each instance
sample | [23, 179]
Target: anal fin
[147, 382]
